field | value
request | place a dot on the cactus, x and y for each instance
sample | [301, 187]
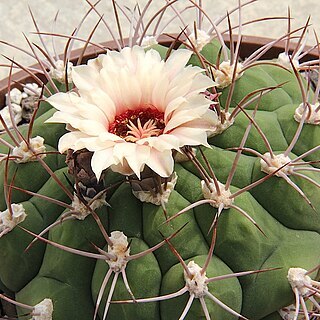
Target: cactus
[215, 215]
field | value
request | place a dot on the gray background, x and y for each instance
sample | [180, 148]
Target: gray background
[16, 19]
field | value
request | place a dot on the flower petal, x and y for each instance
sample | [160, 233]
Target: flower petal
[161, 162]
[85, 77]
[177, 61]
[101, 160]
[162, 142]
[68, 141]
[191, 136]
[136, 160]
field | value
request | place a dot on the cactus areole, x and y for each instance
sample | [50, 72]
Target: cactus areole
[161, 183]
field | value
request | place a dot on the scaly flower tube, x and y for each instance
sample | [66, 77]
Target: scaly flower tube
[131, 109]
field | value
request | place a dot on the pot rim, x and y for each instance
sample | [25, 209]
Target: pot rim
[249, 44]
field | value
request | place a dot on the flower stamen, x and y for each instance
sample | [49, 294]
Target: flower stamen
[134, 125]
[149, 129]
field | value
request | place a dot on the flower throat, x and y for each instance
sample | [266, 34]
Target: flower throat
[133, 125]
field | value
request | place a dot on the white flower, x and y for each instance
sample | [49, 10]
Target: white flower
[132, 109]
[59, 71]
[43, 310]
[5, 114]
[8, 221]
[25, 153]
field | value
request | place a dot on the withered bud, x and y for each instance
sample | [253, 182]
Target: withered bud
[28, 105]
[149, 181]
[79, 166]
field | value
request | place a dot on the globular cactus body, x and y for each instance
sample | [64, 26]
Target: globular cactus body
[290, 224]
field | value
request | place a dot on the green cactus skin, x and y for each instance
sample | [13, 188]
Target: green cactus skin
[291, 226]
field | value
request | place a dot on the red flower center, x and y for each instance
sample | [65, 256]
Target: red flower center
[133, 125]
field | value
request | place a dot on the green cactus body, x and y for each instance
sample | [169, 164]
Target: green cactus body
[290, 224]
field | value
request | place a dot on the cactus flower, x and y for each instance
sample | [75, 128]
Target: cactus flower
[132, 109]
